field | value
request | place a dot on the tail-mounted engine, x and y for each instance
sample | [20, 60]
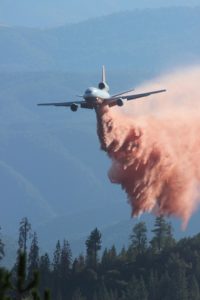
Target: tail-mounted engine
[103, 86]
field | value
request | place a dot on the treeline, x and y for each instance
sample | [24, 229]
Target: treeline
[155, 269]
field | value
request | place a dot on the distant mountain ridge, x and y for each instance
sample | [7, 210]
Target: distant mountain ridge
[51, 13]
[129, 40]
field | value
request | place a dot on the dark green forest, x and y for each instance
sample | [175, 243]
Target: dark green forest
[155, 269]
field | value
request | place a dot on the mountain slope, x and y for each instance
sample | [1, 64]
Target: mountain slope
[120, 41]
[52, 13]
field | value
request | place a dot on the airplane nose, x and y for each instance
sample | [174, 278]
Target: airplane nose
[88, 92]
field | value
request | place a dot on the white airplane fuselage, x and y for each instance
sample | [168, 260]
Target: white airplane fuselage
[94, 95]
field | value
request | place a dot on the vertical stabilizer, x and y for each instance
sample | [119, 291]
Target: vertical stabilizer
[103, 85]
[103, 74]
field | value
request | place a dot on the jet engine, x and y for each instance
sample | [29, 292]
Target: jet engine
[120, 102]
[103, 86]
[74, 107]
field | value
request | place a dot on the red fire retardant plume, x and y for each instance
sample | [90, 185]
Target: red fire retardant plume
[154, 145]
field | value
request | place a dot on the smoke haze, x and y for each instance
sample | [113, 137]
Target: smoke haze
[154, 145]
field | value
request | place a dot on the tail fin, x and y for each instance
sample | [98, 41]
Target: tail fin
[103, 74]
[103, 85]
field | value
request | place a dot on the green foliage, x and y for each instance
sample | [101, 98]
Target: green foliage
[138, 238]
[78, 264]
[22, 286]
[163, 288]
[179, 288]
[104, 294]
[5, 284]
[47, 295]
[1, 247]
[193, 290]
[153, 286]
[22, 289]
[65, 268]
[166, 271]
[163, 237]
[93, 245]
[109, 258]
[136, 290]
[65, 259]
[33, 258]
[56, 257]
[45, 272]
[24, 235]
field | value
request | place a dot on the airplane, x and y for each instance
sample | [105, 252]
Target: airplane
[95, 96]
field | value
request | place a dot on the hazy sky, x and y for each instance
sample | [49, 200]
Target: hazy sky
[45, 13]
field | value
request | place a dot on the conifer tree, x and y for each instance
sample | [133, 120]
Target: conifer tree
[22, 286]
[164, 287]
[93, 245]
[5, 284]
[24, 235]
[136, 290]
[81, 262]
[123, 254]
[138, 238]
[45, 272]
[65, 259]
[56, 276]
[169, 241]
[105, 259]
[162, 235]
[78, 264]
[109, 258]
[153, 286]
[104, 294]
[33, 258]
[56, 257]
[179, 284]
[112, 253]
[1, 247]
[65, 264]
[22, 289]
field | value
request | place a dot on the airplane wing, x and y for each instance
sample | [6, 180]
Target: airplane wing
[122, 93]
[66, 104]
[118, 100]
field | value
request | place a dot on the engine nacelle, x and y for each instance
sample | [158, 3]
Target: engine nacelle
[120, 102]
[74, 107]
[103, 86]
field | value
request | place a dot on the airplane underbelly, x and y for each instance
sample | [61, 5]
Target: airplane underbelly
[91, 100]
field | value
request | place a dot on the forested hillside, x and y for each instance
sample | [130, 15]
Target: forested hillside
[148, 269]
